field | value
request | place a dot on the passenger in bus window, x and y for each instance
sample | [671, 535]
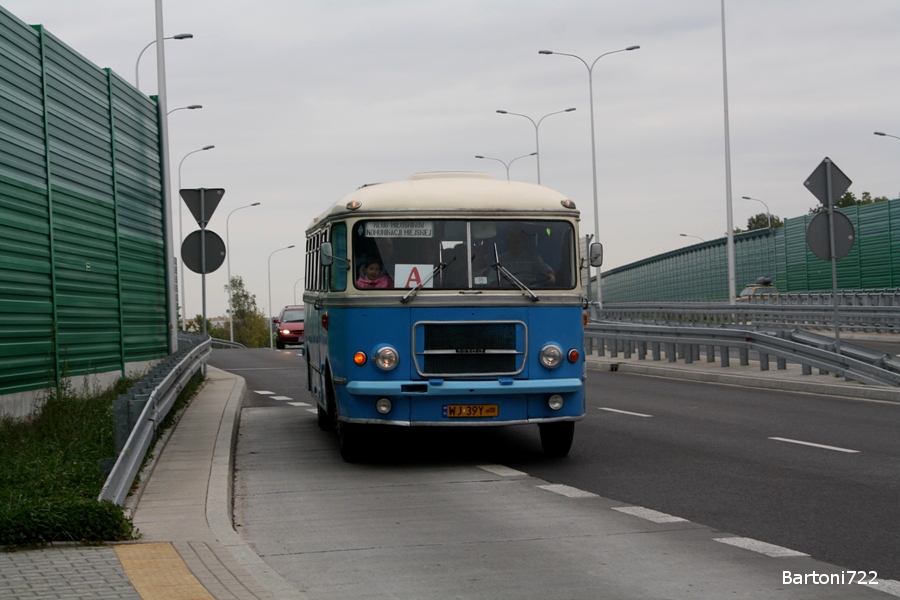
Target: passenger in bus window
[523, 261]
[373, 276]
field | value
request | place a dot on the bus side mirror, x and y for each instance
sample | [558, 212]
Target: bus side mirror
[327, 254]
[596, 254]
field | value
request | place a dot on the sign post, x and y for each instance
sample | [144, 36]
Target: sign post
[203, 253]
[827, 183]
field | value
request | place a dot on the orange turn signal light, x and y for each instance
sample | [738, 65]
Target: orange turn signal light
[360, 358]
[573, 355]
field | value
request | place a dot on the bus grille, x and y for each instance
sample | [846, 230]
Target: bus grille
[459, 349]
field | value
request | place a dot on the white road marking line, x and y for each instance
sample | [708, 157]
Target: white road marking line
[625, 412]
[780, 439]
[297, 403]
[568, 491]
[312, 410]
[264, 392]
[761, 547]
[648, 514]
[281, 398]
[888, 586]
[501, 470]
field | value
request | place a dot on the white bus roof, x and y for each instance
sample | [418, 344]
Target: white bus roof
[451, 191]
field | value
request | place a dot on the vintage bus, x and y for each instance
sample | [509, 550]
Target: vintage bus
[447, 299]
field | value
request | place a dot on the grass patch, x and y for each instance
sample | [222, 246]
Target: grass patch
[49, 475]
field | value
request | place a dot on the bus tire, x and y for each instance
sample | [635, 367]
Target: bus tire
[325, 424]
[556, 438]
[351, 436]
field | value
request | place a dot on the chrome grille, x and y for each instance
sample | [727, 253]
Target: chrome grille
[447, 349]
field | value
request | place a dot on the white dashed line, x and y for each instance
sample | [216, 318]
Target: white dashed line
[281, 398]
[888, 586]
[568, 491]
[625, 412]
[790, 441]
[648, 514]
[760, 547]
[501, 470]
[264, 392]
[301, 404]
[312, 411]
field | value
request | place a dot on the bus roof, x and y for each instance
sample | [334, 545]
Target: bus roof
[450, 191]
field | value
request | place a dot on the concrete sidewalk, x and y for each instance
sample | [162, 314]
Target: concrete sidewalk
[189, 548]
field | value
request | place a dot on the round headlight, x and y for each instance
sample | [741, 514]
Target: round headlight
[383, 406]
[386, 358]
[551, 356]
[555, 402]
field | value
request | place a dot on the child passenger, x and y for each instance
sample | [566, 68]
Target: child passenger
[373, 276]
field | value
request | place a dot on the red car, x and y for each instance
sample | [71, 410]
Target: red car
[290, 327]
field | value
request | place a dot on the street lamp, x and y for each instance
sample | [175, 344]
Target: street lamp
[693, 236]
[537, 145]
[505, 164]
[181, 235]
[189, 107]
[768, 214]
[590, 70]
[180, 36]
[882, 134]
[228, 258]
[295, 289]
[271, 339]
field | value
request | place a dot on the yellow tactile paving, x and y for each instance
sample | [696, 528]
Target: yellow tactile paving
[157, 572]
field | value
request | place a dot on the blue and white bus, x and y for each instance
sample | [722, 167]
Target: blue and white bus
[445, 300]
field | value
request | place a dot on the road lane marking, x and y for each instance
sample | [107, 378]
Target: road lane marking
[281, 398]
[568, 491]
[790, 441]
[648, 514]
[760, 547]
[264, 392]
[501, 470]
[624, 412]
[312, 411]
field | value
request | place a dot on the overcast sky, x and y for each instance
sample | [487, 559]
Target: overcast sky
[307, 100]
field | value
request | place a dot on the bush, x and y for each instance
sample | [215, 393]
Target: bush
[49, 475]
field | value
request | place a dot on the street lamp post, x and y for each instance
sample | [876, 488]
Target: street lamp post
[228, 258]
[189, 107]
[590, 70]
[271, 339]
[537, 144]
[882, 134]
[295, 289]
[505, 164]
[181, 236]
[180, 36]
[693, 236]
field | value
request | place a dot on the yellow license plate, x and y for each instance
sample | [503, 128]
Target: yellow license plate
[455, 411]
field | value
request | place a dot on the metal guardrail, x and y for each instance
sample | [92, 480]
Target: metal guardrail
[217, 343]
[869, 319]
[139, 412]
[810, 350]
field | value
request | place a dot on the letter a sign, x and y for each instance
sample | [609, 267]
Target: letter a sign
[409, 276]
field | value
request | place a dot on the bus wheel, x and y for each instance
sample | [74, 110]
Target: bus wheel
[328, 415]
[325, 424]
[351, 436]
[556, 438]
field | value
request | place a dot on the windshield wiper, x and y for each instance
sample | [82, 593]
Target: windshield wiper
[501, 270]
[412, 293]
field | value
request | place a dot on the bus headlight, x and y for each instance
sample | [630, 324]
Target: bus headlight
[551, 356]
[386, 358]
[555, 402]
[383, 406]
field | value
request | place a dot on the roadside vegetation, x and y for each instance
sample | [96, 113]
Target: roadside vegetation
[49, 468]
[251, 327]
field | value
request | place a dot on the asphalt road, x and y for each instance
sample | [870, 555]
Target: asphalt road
[702, 452]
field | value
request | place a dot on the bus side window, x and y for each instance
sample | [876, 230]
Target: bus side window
[337, 281]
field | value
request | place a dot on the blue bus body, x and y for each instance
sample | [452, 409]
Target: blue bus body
[470, 345]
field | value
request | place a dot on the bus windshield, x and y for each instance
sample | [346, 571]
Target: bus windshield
[463, 254]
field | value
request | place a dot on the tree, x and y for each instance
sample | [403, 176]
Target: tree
[849, 199]
[761, 221]
[251, 327]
